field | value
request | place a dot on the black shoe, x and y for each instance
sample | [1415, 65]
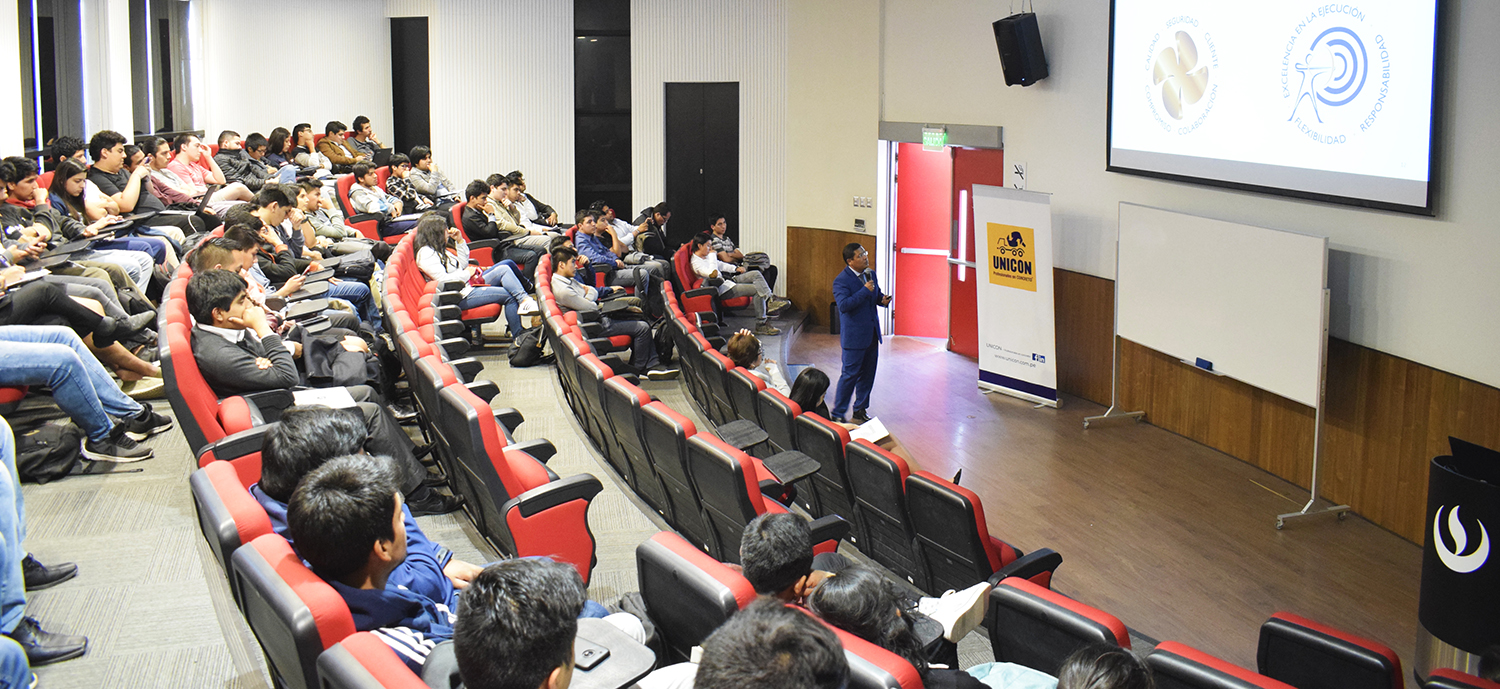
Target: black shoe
[146, 424]
[43, 647]
[426, 501]
[111, 329]
[136, 323]
[117, 448]
[404, 413]
[39, 576]
[859, 416]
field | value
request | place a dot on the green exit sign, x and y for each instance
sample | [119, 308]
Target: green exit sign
[934, 138]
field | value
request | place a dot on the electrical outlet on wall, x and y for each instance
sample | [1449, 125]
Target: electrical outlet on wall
[859, 224]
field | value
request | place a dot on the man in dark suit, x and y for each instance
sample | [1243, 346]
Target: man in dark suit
[238, 352]
[857, 295]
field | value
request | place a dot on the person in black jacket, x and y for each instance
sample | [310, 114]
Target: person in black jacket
[238, 352]
[238, 165]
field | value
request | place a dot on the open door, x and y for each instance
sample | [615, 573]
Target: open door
[921, 241]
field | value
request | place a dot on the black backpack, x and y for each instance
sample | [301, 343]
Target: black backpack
[526, 349]
[359, 265]
[49, 452]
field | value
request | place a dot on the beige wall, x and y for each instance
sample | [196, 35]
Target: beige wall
[833, 111]
[1421, 288]
[12, 127]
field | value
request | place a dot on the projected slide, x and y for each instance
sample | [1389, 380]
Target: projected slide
[1316, 99]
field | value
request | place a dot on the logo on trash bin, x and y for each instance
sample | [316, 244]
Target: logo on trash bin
[1455, 559]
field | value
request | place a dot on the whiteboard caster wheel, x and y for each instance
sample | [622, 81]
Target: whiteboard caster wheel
[1343, 516]
[1280, 523]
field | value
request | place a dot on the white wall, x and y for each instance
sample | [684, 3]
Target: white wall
[259, 70]
[693, 40]
[109, 103]
[833, 111]
[12, 127]
[1421, 288]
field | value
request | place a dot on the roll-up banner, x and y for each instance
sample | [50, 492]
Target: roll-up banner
[1017, 338]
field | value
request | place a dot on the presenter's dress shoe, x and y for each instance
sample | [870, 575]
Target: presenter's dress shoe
[859, 417]
[39, 576]
[43, 647]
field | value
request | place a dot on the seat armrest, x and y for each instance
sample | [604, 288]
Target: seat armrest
[700, 292]
[451, 286]
[446, 312]
[362, 217]
[716, 342]
[615, 363]
[592, 330]
[829, 528]
[446, 298]
[453, 347]
[447, 328]
[467, 368]
[1039, 561]
[710, 331]
[791, 466]
[632, 378]
[484, 389]
[742, 434]
[705, 317]
[542, 498]
[510, 418]
[483, 244]
[602, 345]
[236, 445]
[541, 449]
[589, 316]
[268, 404]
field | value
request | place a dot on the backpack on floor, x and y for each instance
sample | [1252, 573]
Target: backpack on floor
[49, 452]
[526, 349]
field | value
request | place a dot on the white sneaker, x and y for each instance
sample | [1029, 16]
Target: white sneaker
[958, 611]
[528, 307]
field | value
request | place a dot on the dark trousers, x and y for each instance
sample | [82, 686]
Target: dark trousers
[856, 378]
[43, 303]
[642, 346]
[383, 436]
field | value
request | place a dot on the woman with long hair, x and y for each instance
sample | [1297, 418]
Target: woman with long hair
[443, 257]
[809, 390]
[67, 195]
[276, 148]
[74, 224]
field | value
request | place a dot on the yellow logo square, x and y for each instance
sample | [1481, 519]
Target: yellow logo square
[1012, 256]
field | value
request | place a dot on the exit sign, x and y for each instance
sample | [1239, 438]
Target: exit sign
[934, 138]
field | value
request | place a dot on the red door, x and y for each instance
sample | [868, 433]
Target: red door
[971, 166]
[924, 223]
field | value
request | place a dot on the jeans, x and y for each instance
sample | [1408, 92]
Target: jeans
[136, 264]
[154, 247]
[55, 357]
[749, 284]
[358, 294]
[12, 531]
[642, 344]
[503, 287]
[90, 288]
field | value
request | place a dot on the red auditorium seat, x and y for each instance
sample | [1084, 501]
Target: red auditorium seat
[666, 434]
[1448, 678]
[1312, 655]
[873, 667]
[1179, 666]
[623, 401]
[877, 481]
[696, 298]
[824, 441]
[743, 387]
[295, 615]
[1039, 628]
[485, 252]
[778, 416]
[227, 514]
[954, 539]
[10, 397]
[363, 661]
[687, 593]
[726, 480]
[368, 224]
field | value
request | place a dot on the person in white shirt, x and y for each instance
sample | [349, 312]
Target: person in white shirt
[576, 296]
[442, 257]
[746, 352]
[737, 283]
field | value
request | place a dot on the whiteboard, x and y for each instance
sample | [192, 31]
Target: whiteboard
[1248, 299]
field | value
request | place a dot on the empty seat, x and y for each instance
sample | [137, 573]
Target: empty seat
[1312, 655]
[877, 481]
[778, 417]
[363, 661]
[1448, 678]
[295, 615]
[666, 434]
[622, 406]
[824, 440]
[1178, 666]
[1039, 628]
[954, 541]
[591, 376]
[743, 387]
[227, 514]
[687, 593]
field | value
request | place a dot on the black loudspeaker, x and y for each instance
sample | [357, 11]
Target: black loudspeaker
[1020, 44]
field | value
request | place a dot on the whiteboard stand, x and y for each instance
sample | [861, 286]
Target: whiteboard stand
[1114, 362]
[1339, 511]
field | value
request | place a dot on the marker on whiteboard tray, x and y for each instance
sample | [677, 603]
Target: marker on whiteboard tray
[1204, 364]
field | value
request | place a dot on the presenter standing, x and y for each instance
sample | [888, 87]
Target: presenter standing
[856, 294]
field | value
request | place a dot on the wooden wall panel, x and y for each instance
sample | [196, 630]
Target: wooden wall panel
[1085, 308]
[813, 258]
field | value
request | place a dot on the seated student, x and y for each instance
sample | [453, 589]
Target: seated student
[736, 282]
[574, 296]
[584, 276]
[443, 257]
[279, 148]
[726, 251]
[769, 646]
[275, 206]
[346, 521]
[305, 152]
[321, 228]
[399, 185]
[118, 173]
[603, 249]
[809, 390]
[336, 149]
[484, 219]
[240, 250]
[532, 210]
[243, 160]
[517, 624]
[238, 352]
[67, 148]
[55, 357]
[44, 303]
[367, 197]
[26, 644]
[187, 151]
[364, 140]
[135, 256]
[532, 237]
[429, 181]
[651, 232]
[1096, 666]
[746, 352]
[306, 438]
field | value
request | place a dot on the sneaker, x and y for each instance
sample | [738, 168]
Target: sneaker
[148, 388]
[662, 373]
[43, 647]
[958, 611]
[39, 576]
[426, 501]
[118, 448]
[147, 423]
[766, 330]
[777, 305]
[528, 308]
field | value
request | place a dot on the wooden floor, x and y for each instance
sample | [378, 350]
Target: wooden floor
[1172, 537]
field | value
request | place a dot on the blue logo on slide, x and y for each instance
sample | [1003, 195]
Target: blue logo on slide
[1333, 72]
